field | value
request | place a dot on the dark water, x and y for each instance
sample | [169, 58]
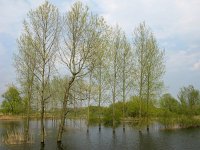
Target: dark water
[76, 137]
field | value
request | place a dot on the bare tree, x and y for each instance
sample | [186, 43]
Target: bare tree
[42, 27]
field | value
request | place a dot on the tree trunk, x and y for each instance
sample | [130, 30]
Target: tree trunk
[26, 138]
[42, 103]
[124, 90]
[140, 99]
[89, 94]
[148, 95]
[64, 110]
[114, 88]
[100, 90]
[42, 122]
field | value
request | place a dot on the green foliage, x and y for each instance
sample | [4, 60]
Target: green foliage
[12, 102]
[180, 113]
[190, 100]
[188, 122]
[108, 114]
[169, 103]
[94, 113]
[133, 107]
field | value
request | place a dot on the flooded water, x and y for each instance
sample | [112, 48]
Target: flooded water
[76, 137]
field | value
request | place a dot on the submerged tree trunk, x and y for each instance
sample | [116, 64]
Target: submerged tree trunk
[26, 138]
[114, 88]
[42, 122]
[64, 110]
[100, 90]
[148, 95]
[140, 103]
[42, 101]
[124, 90]
[89, 96]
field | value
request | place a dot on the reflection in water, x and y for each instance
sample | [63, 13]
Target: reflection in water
[140, 140]
[60, 146]
[10, 125]
[114, 139]
[42, 146]
[123, 137]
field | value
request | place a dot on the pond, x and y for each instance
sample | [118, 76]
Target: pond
[76, 137]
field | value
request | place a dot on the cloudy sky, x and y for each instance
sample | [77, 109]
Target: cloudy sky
[175, 23]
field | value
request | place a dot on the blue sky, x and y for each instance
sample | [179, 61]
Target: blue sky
[175, 23]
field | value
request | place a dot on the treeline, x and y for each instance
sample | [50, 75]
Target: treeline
[78, 60]
[182, 112]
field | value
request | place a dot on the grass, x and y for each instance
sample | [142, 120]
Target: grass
[15, 137]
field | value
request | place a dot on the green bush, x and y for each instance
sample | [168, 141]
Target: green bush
[108, 115]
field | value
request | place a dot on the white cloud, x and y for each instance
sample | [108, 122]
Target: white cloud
[175, 23]
[196, 66]
[182, 60]
[13, 12]
[167, 18]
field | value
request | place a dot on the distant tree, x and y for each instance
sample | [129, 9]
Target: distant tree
[190, 99]
[168, 102]
[12, 101]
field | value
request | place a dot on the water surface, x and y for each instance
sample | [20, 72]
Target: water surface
[76, 138]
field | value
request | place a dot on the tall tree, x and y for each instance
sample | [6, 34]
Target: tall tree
[125, 71]
[141, 35]
[42, 27]
[25, 63]
[100, 66]
[81, 39]
[155, 70]
[149, 63]
[113, 67]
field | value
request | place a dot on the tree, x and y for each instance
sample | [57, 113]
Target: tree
[190, 99]
[12, 101]
[81, 38]
[42, 29]
[155, 70]
[125, 71]
[100, 66]
[149, 64]
[25, 63]
[113, 67]
[167, 102]
[141, 35]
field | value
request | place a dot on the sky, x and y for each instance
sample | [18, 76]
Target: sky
[175, 24]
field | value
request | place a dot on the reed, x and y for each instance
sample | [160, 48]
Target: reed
[16, 137]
